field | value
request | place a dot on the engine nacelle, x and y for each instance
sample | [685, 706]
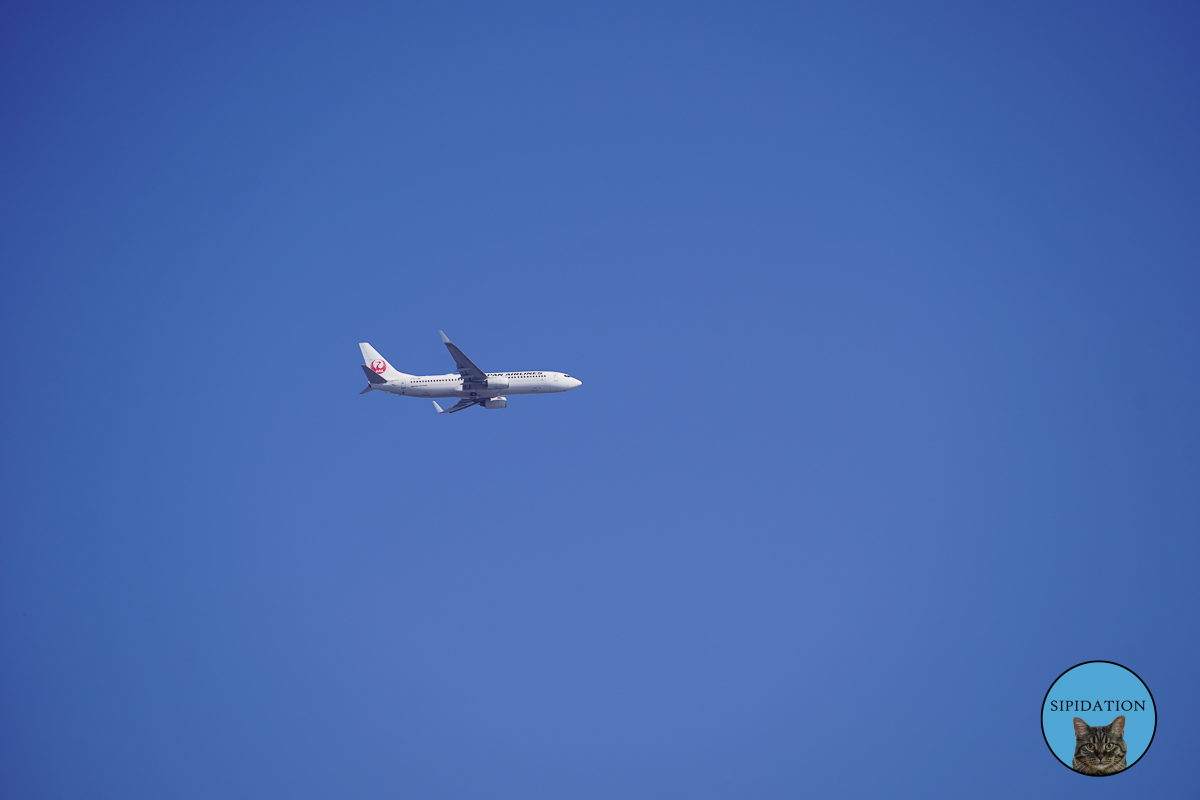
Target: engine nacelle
[497, 383]
[496, 402]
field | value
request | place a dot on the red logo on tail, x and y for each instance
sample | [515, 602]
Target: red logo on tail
[379, 366]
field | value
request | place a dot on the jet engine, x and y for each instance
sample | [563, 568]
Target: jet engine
[496, 402]
[497, 383]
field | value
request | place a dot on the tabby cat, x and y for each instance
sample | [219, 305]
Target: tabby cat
[1100, 750]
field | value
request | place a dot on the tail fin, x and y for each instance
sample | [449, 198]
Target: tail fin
[377, 364]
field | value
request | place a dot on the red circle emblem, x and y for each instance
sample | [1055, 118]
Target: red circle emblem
[379, 366]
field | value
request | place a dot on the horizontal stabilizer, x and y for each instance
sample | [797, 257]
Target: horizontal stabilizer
[373, 376]
[368, 389]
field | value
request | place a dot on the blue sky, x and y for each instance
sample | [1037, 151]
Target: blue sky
[886, 317]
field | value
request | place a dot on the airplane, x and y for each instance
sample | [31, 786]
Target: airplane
[474, 386]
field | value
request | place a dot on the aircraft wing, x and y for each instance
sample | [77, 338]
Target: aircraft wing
[459, 406]
[464, 365]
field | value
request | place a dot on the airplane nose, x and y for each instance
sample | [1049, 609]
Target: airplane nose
[575, 382]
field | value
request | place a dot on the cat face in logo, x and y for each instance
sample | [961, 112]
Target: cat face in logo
[1099, 750]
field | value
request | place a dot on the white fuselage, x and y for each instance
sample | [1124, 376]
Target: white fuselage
[498, 383]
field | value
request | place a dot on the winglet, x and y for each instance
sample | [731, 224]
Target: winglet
[445, 338]
[435, 405]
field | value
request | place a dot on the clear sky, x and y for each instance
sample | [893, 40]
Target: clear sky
[887, 321]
